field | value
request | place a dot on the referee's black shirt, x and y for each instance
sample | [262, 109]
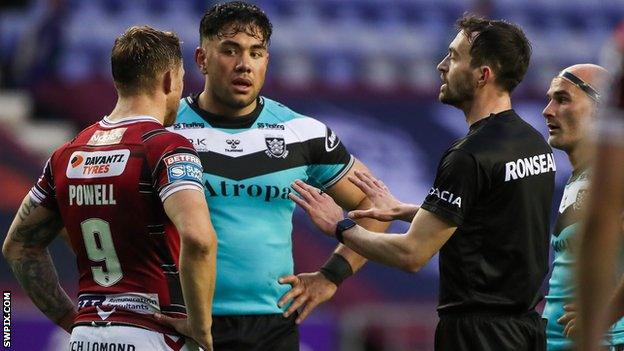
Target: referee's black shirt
[496, 185]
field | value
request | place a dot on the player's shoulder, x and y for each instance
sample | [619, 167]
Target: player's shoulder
[81, 137]
[162, 137]
[184, 108]
[299, 123]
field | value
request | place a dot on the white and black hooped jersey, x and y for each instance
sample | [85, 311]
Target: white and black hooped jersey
[249, 165]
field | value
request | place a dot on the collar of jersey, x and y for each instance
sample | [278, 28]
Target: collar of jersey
[482, 121]
[105, 122]
[219, 121]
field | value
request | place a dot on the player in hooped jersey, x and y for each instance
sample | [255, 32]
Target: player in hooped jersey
[130, 196]
[571, 113]
[252, 148]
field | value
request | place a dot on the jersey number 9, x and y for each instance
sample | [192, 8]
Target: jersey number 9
[99, 244]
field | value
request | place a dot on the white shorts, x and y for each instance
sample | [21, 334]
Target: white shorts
[122, 338]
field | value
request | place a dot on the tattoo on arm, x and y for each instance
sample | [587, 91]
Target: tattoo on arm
[30, 234]
[37, 276]
[39, 233]
[26, 208]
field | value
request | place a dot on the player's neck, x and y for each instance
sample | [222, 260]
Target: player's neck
[139, 105]
[485, 103]
[208, 102]
[579, 156]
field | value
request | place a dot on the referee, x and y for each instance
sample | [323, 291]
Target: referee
[487, 212]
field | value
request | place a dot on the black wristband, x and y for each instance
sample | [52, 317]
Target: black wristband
[336, 269]
[343, 225]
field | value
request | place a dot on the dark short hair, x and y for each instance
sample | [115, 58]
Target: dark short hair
[499, 44]
[139, 55]
[235, 17]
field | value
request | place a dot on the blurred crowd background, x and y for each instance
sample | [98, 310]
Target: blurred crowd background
[367, 68]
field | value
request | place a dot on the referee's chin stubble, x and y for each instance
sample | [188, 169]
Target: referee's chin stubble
[455, 96]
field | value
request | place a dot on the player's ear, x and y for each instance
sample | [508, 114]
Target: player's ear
[167, 83]
[200, 59]
[484, 76]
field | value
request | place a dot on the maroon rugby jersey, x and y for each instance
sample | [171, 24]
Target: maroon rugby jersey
[109, 184]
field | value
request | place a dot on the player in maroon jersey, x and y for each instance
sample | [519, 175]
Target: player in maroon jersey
[123, 189]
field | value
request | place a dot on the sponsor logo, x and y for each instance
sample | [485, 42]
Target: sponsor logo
[198, 143]
[135, 302]
[77, 161]
[98, 164]
[106, 137]
[331, 140]
[233, 145]
[91, 194]
[192, 125]
[169, 160]
[101, 346]
[446, 196]
[265, 192]
[276, 126]
[183, 167]
[529, 166]
[276, 147]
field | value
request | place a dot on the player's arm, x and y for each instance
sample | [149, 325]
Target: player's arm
[188, 211]
[385, 207]
[25, 249]
[615, 310]
[409, 252]
[350, 197]
[311, 289]
[600, 239]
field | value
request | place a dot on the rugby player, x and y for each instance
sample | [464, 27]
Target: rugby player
[252, 148]
[487, 211]
[129, 194]
[570, 114]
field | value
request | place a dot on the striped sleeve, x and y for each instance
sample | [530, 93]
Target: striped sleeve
[44, 192]
[175, 163]
[330, 159]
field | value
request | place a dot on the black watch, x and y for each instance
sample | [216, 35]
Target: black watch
[343, 225]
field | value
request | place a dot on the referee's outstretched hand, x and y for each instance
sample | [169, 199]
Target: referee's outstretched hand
[308, 290]
[321, 208]
[386, 207]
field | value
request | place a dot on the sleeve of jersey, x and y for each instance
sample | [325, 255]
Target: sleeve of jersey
[455, 187]
[43, 192]
[175, 165]
[330, 160]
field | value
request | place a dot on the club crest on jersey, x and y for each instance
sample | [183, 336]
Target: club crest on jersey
[97, 164]
[276, 147]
